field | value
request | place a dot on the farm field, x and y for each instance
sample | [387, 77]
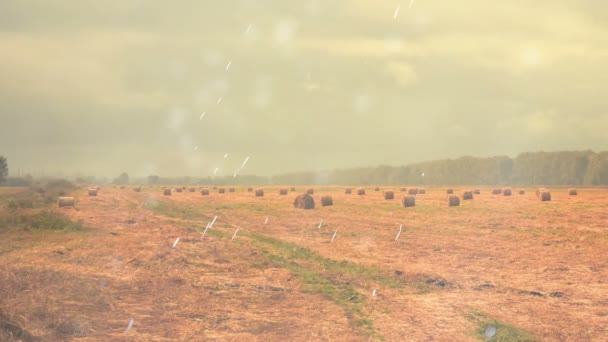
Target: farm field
[533, 270]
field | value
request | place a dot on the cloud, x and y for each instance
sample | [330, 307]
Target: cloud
[86, 79]
[404, 74]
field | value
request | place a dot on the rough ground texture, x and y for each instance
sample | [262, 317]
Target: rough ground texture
[536, 270]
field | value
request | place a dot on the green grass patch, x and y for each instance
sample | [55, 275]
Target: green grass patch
[176, 211]
[504, 332]
[195, 212]
[41, 220]
[342, 293]
[335, 280]
[294, 252]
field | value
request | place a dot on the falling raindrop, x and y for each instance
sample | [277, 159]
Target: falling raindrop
[130, 324]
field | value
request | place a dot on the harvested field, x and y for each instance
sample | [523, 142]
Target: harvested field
[533, 269]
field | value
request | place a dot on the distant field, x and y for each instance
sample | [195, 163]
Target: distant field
[533, 270]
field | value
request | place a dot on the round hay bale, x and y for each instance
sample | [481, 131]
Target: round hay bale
[361, 192]
[214, 188]
[389, 195]
[167, 192]
[476, 192]
[412, 191]
[205, 192]
[449, 191]
[538, 191]
[122, 186]
[327, 201]
[310, 191]
[522, 192]
[453, 200]
[376, 189]
[259, 192]
[192, 189]
[221, 190]
[92, 191]
[348, 191]
[506, 192]
[544, 196]
[403, 189]
[231, 189]
[65, 202]
[137, 189]
[293, 189]
[421, 191]
[282, 192]
[409, 201]
[496, 191]
[467, 195]
[304, 201]
[179, 189]
[184, 188]
[249, 189]
[572, 192]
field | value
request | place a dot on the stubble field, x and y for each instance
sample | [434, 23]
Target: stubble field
[533, 270]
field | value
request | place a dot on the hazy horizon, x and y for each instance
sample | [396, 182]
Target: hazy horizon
[91, 88]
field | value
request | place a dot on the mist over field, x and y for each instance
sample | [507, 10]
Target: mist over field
[93, 88]
[272, 170]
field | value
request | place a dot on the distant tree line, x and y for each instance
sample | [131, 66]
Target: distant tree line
[584, 168]
[226, 180]
[3, 169]
[566, 168]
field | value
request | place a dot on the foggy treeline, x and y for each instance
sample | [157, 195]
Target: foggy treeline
[533, 168]
[583, 168]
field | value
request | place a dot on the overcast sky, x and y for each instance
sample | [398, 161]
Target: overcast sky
[93, 88]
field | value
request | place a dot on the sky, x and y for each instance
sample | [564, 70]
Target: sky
[99, 88]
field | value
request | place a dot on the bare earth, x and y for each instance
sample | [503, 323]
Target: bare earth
[537, 267]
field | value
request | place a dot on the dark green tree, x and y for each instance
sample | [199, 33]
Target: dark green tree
[3, 169]
[122, 179]
[153, 179]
